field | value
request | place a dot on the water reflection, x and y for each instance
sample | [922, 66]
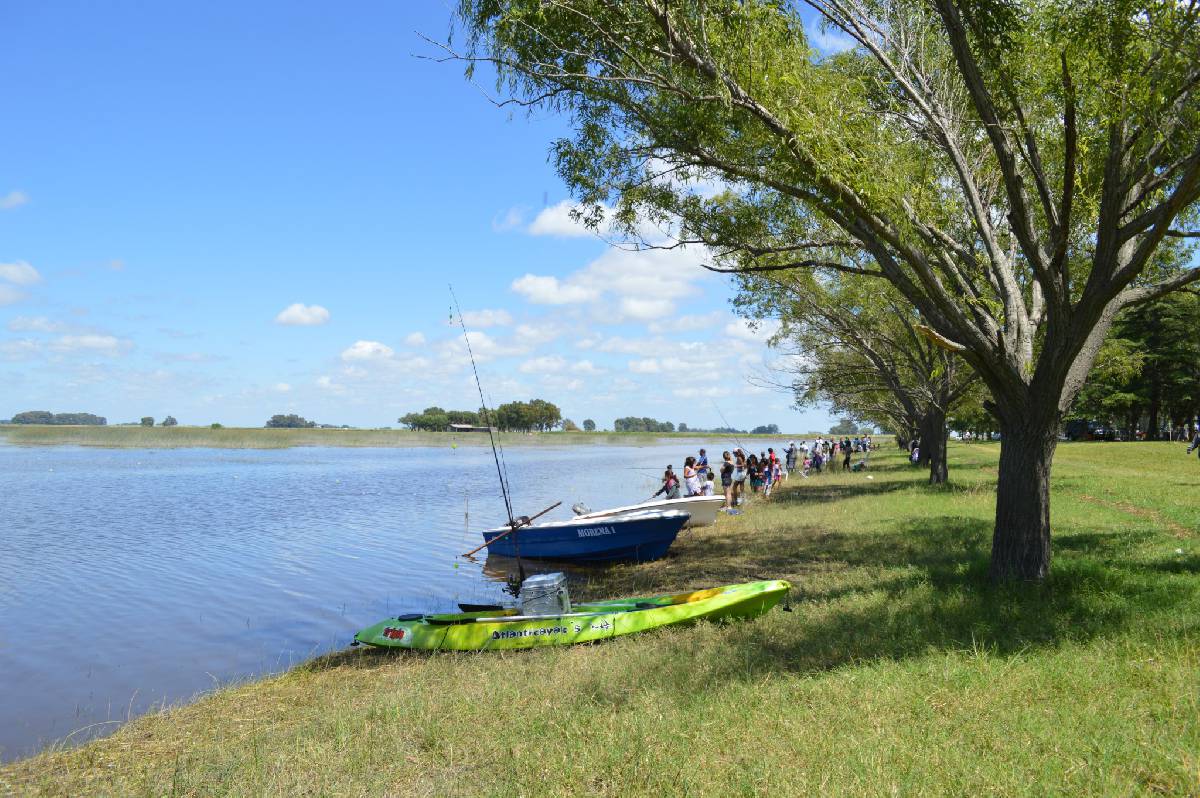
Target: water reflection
[130, 578]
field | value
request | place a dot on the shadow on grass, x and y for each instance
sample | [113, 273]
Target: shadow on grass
[920, 585]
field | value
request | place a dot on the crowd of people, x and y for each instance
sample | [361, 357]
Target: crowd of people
[764, 470]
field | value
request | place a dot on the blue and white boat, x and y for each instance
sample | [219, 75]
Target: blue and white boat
[637, 536]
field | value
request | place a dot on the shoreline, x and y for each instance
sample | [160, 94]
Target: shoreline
[180, 437]
[900, 669]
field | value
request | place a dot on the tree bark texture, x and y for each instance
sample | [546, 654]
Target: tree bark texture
[933, 445]
[1021, 539]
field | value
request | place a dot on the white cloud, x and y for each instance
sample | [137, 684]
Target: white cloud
[367, 350]
[99, 344]
[13, 199]
[544, 364]
[36, 324]
[19, 272]
[282, 387]
[647, 365]
[509, 220]
[645, 308]
[556, 221]
[832, 41]
[586, 367]
[547, 290]
[325, 382]
[538, 333]
[631, 346]
[487, 318]
[302, 315]
[414, 339]
[709, 392]
[645, 283]
[485, 346]
[19, 349]
[688, 323]
[741, 330]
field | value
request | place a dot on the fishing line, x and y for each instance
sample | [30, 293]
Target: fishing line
[500, 471]
[729, 427]
[497, 453]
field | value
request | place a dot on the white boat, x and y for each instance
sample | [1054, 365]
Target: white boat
[702, 509]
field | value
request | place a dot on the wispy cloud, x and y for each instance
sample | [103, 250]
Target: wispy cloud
[414, 339]
[93, 343]
[544, 364]
[487, 318]
[301, 315]
[830, 41]
[511, 219]
[19, 272]
[10, 295]
[36, 324]
[13, 199]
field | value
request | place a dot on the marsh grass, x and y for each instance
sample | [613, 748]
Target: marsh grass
[900, 670]
[263, 438]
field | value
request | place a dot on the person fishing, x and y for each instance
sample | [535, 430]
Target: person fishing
[670, 484]
[727, 479]
[739, 475]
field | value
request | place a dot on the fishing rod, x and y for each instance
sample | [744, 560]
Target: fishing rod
[497, 452]
[501, 472]
[729, 427]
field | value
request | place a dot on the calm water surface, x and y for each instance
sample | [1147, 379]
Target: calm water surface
[133, 578]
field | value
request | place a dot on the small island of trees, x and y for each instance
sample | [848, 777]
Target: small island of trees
[536, 415]
[46, 417]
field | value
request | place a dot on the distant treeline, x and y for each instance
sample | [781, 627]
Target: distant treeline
[645, 424]
[46, 417]
[536, 414]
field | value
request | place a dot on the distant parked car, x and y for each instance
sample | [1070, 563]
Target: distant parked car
[1083, 430]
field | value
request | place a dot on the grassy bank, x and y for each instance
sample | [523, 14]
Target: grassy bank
[899, 671]
[261, 438]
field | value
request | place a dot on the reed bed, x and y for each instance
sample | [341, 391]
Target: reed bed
[135, 437]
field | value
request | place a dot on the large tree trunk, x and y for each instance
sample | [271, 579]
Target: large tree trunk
[1021, 540]
[933, 445]
[1152, 429]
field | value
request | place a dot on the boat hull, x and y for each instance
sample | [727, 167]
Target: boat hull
[635, 537]
[701, 509]
[590, 622]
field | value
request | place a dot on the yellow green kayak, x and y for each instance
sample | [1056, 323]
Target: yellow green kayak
[596, 620]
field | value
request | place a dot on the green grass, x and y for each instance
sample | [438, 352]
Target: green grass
[900, 670]
[261, 438]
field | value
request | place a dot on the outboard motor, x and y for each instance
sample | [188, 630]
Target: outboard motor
[545, 594]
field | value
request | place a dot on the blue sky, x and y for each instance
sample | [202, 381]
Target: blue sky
[223, 211]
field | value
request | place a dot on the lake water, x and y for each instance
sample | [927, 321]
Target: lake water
[130, 578]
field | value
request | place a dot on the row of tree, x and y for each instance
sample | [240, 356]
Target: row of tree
[979, 191]
[645, 424]
[535, 415]
[46, 417]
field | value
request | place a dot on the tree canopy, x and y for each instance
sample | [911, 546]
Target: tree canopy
[288, 421]
[1020, 174]
[46, 417]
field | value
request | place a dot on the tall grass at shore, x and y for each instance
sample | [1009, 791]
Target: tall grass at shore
[135, 437]
[900, 670]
